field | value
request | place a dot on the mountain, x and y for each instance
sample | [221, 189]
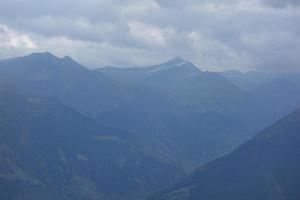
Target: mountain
[274, 93]
[169, 108]
[196, 111]
[181, 81]
[92, 94]
[68, 132]
[265, 168]
[249, 80]
[50, 151]
[281, 95]
[134, 74]
[173, 109]
[45, 75]
[254, 79]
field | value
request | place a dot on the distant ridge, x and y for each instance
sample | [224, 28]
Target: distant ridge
[135, 73]
[172, 63]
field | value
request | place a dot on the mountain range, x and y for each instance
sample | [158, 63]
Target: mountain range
[70, 132]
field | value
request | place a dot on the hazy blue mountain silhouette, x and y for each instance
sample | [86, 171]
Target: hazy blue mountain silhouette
[265, 168]
[50, 151]
[173, 108]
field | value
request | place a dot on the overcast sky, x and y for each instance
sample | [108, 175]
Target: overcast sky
[214, 34]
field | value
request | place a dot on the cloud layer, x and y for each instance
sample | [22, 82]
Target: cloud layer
[215, 34]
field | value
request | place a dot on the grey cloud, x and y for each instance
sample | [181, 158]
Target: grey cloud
[216, 35]
[172, 3]
[281, 3]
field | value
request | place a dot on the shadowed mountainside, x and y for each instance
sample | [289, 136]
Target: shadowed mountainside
[265, 168]
[49, 151]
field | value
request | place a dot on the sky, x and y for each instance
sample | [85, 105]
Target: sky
[214, 34]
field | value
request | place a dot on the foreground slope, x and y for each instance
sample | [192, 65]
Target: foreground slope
[265, 168]
[49, 151]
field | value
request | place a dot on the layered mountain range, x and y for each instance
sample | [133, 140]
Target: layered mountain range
[69, 132]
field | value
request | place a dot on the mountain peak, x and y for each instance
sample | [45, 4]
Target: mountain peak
[34, 57]
[44, 60]
[41, 54]
[69, 59]
[177, 61]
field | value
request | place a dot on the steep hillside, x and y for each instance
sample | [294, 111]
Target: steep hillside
[265, 168]
[49, 151]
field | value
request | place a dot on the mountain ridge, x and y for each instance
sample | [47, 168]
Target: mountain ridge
[50, 151]
[264, 168]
